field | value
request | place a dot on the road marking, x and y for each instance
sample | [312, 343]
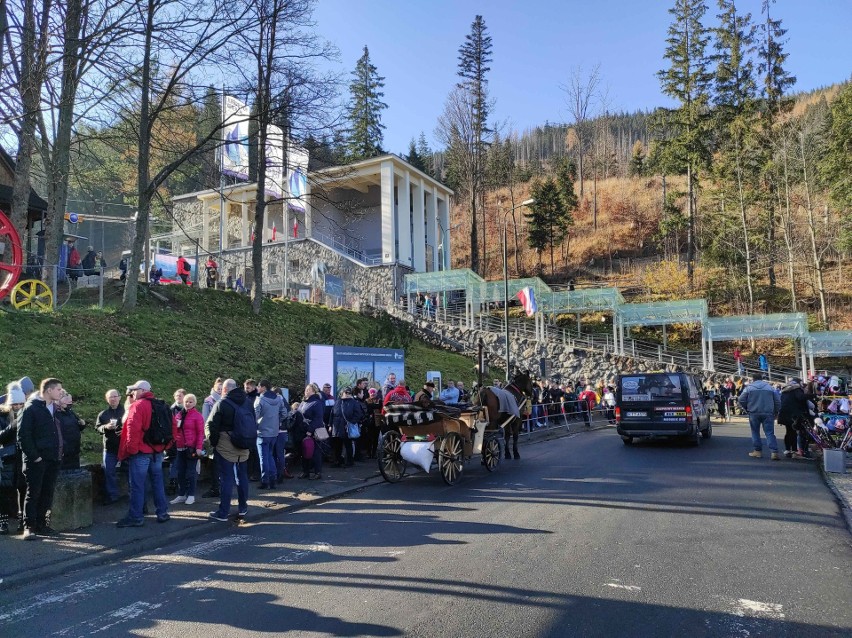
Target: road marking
[616, 584]
[746, 607]
[297, 554]
[203, 549]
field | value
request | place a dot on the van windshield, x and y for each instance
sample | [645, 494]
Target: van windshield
[651, 387]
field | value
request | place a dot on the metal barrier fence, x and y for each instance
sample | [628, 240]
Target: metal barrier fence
[566, 414]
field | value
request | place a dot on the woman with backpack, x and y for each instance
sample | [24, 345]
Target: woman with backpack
[188, 428]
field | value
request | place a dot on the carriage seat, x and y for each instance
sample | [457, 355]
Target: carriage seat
[408, 414]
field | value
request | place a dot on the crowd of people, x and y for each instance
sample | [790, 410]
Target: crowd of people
[237, 434]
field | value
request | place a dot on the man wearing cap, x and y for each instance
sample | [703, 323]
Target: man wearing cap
[427, 392]
[144, 460]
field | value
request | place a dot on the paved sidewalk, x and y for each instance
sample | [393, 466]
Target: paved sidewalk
[103, 542]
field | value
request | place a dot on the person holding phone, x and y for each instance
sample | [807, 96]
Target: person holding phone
[108, 423]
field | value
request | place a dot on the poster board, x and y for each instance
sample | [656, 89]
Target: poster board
[341, 366]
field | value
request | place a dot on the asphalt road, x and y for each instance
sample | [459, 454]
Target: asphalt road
[582, 537]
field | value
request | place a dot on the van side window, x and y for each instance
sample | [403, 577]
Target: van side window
[693, 391]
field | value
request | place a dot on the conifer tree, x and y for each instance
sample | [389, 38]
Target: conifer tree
[736, 115]
[836, 163]
[776, 82]
[548, 219]
[474, 57]
[687, 80]
[365, 110]
[425, 153]
[637, 159]
[413, 156]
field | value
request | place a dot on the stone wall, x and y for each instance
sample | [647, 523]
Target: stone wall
[563, 361]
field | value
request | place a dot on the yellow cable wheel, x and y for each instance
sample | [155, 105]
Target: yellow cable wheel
[32, 294]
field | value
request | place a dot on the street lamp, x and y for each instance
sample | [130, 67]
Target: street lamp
[526, 202]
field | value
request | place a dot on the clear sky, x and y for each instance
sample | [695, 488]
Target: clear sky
[414, 44]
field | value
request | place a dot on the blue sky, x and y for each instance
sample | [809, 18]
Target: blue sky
[414, 44]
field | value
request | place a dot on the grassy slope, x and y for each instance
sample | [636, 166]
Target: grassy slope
[199, 336]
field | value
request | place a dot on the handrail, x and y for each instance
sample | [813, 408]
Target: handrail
[634, 348]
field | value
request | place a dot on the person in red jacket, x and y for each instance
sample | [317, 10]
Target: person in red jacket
[188, 429]
[399, 394]
[183, 269]
[144, 460]
[587, 399]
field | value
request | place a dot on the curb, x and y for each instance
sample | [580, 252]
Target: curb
[842, 502]
[196, 530]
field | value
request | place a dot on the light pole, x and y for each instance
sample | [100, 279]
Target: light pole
[526, 202]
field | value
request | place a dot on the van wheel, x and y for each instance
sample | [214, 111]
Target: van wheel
[708, 432]
[627, 440]
[695, 439]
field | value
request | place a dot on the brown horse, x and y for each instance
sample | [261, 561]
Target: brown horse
[519, 387]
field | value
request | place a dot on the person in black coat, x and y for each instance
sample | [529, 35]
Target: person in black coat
[40, 439]
[347, 410]
[72, 427]
[792, 415]
[11, 480]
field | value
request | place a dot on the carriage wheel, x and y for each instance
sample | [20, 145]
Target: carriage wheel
[491, 453]
[451, 458]
[391, 464]
[11, 256]
[32, 294]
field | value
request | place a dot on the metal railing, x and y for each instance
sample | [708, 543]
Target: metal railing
[634, 348]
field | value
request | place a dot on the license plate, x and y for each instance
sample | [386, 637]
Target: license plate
[636, 414]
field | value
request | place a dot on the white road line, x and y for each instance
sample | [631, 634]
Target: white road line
[297, 554]
[617, 584]
[745, 607]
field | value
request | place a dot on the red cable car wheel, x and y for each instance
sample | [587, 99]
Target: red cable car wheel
[11, 264]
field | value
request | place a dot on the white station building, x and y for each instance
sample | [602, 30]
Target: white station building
[353, 235]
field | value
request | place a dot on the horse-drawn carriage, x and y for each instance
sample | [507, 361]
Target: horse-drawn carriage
[447, 437]
[435, 436]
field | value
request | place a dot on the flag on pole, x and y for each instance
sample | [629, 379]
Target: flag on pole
[273, 231]
[295, 229]
[527, 297]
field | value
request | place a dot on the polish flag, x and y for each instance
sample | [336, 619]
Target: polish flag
[273, 231]
[527, 297]
[295, 229]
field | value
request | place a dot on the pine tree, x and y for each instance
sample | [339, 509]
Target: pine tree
[836, 163]
[413, 156]
[426, 155]
[548, 219]
[474, 57]
[687, 80]
[637, 159]
[776, 83]
[365, 110]
[736, 115]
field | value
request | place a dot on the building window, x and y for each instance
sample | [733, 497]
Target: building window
[273, 269]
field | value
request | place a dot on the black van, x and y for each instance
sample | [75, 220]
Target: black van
[661, 404]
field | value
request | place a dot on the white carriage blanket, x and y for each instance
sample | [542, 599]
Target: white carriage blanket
[419, 453]
[507, 402]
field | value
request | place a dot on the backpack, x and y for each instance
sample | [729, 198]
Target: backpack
[159, 432]
[244, 434]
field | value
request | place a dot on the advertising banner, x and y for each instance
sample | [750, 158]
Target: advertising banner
[274, 162]
[333, 286]
[169, 265]
[342, 366]
[297, 176]
[235, 149]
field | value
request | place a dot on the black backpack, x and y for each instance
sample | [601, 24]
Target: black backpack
[159, 432]
[244, 434]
